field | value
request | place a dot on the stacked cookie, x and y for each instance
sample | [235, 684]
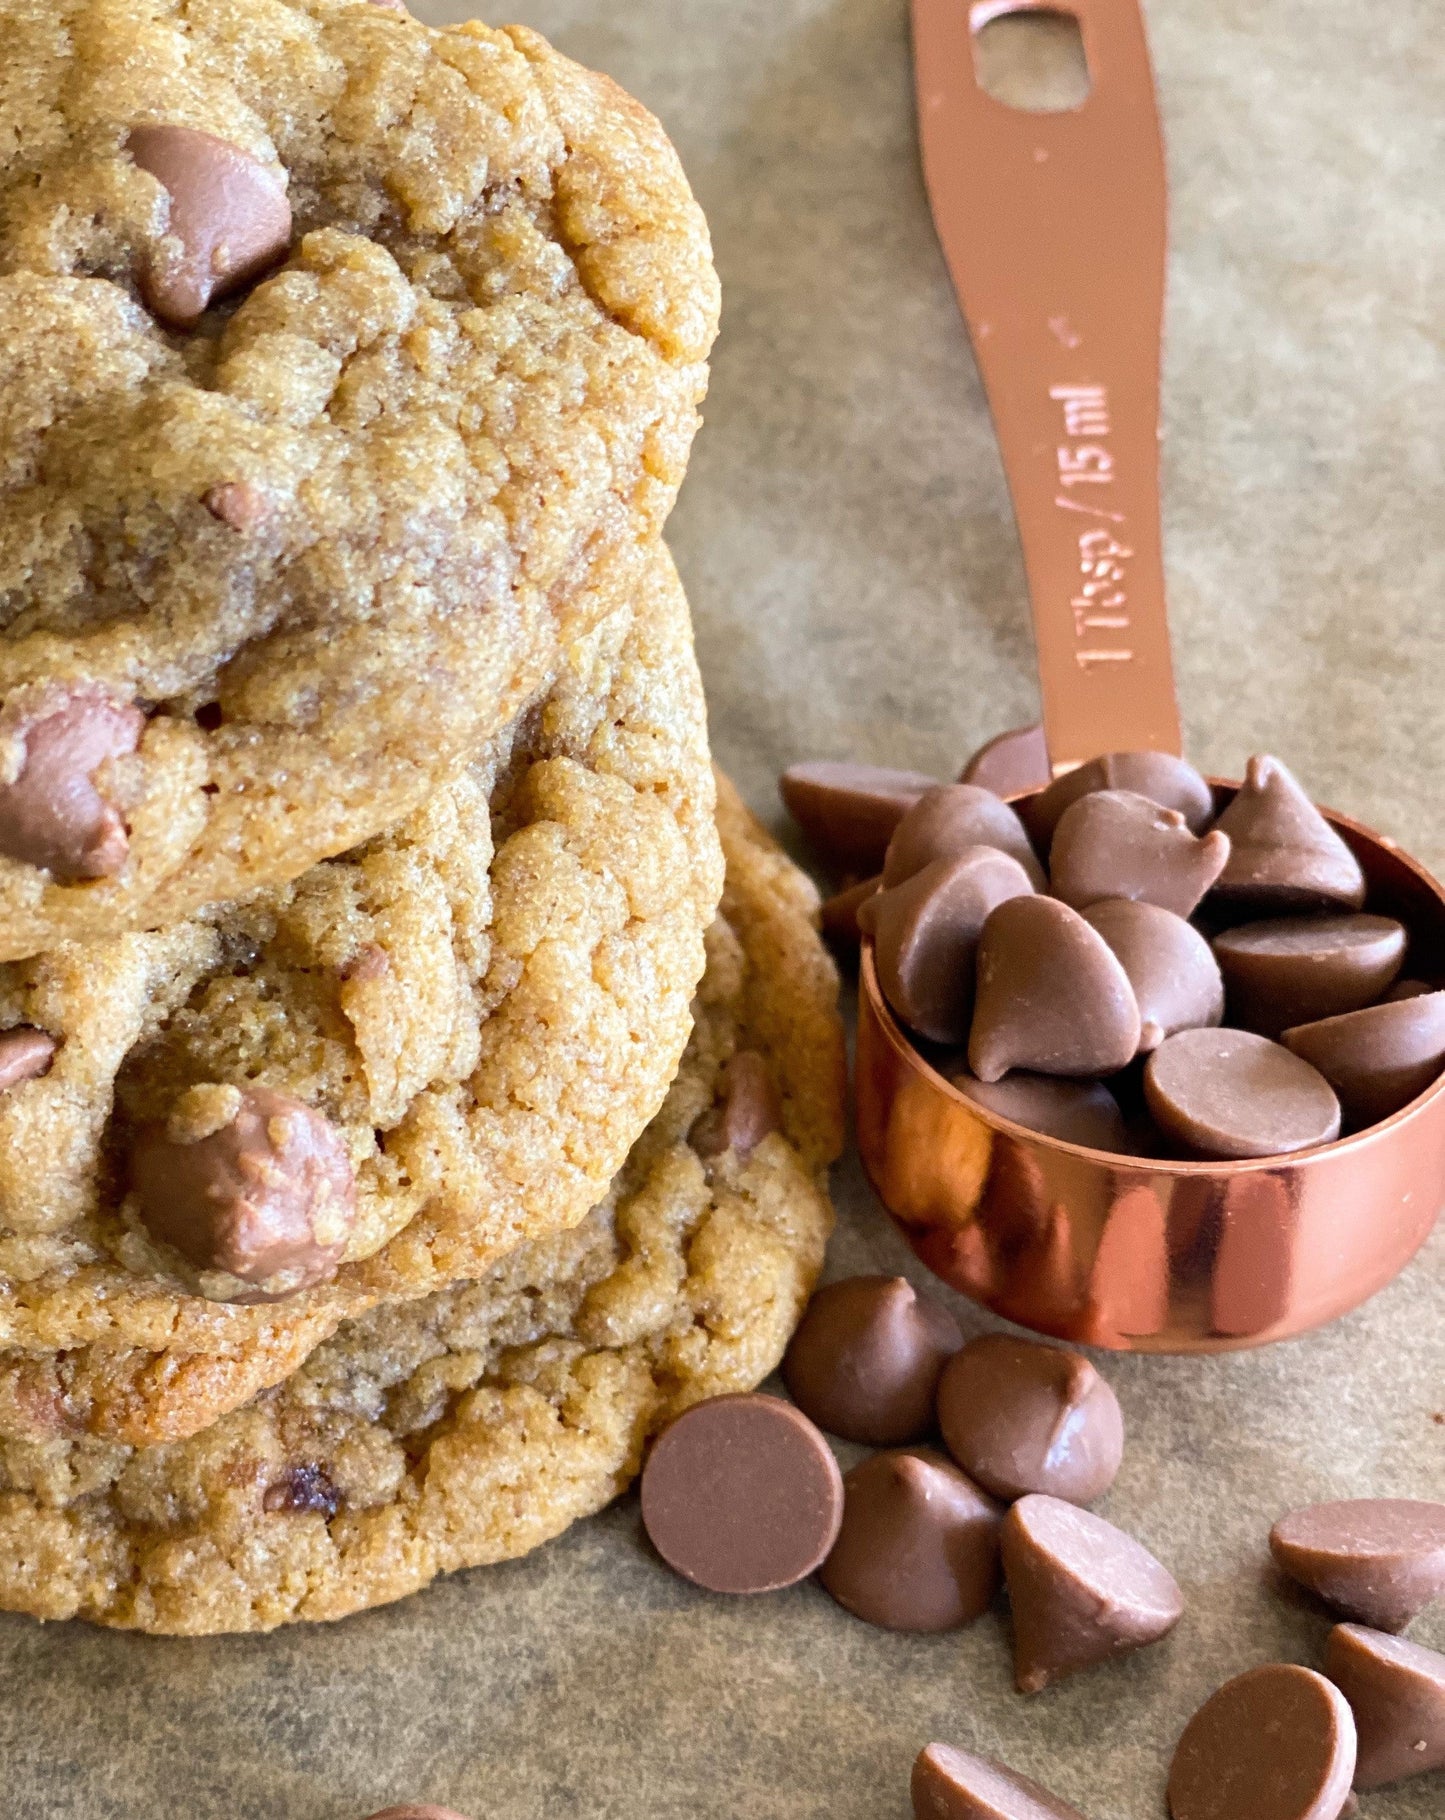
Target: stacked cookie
[358, 846]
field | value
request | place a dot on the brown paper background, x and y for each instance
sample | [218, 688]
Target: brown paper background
[848, 546]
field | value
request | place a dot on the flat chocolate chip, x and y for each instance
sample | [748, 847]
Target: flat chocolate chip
[848, 811]
[918, 1549]
[1052, 997]
[951, 818]
[926, 936]
[228, 212]
[25, 1054]
[1023, 1417]
[1284, 855]
[51, 814]
[1114, 843]
[1379, 1059]
[1164, 780]
[1077, 1112]
[1171, 967]
[951, 1784]
[1396, 1691]
[742, 1495]
[1377, 1560]
[746, 1112]
[248, 1181]
[1010, 763]
[1230, 1094]
[1277, 1743]
[411, 1810]
[1082, 1591]
[1296, 969]
[866, 1358]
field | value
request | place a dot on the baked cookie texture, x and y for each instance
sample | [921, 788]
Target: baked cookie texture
[480, 1422]
[334, 351]
[485, 1005]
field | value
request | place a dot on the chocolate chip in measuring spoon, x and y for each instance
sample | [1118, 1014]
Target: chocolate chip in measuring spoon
[1377, 1560]
[1077, 1112]
[1113, 843]
[1277, 1743]
[1010, 763]
[1171, 967]
[849, 811]
[949, 819]
[51, 813]
[953, 1784]
[1284, 855]
[1379, 1059]
[1167, 781]
[1396, 1692]
[1231, 1094]
[1291, 970]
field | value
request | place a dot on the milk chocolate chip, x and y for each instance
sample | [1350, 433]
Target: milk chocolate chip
[947, 820]
[1396, 1691]
[1023, 1417]
[248, 1181]
[1052, 997]
[742, 1495]
[849, 811]
[1010, 763]
[1078, 1112]
[838, 918]
[950, 1784]
[1113, 843]
[1277, 1743]
[926, 935]
[411, 1810]
[1167, 781]
[25, 1054]
[1230, 1093]
[1379, 1059]
[866, 1358]
[228, 213]
[918, 1549]
[237, 504]
[1082, 1591]
[746, 1113]
[1295, 969]
[1377, 1560]
[1171, 967]
[51, 813]
[1284, 854]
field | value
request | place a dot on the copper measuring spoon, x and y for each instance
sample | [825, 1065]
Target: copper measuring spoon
[1053, 227]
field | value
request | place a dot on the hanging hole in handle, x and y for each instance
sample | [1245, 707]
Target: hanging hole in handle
[1030, 57]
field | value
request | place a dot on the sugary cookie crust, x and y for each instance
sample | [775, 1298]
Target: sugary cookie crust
[475, 1425]
[478, 368]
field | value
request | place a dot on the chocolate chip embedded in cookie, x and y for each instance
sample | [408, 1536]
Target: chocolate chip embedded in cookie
[52, 815]
[25, 1054]
[746, 1113]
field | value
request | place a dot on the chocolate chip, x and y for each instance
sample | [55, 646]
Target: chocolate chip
[1230, 1093]
[1277, 1743]
[411, 1810]
[238, 504]
[1403, 989]
[1284, 854]
[926, 935]
[1082, 1591]
[1171, 967]
[951, 1784]
[248, 1181]
[1010, 763]
[25, 1054]
[918, 1549]
[866, 1358]
[1113, 843]
[1396, 1692]
[1296, 969]
[1167, 781]
[838, 918]
[746, 1112]
[306, 1487]
[1052, 997]
[1379, 1059]
[1077, 1112]
[742, 1495]
[951, 818]
[51, 813]
[1023, 1417]
[1377, 1560]
[849, 811]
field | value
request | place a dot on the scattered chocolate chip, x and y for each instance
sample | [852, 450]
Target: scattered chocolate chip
[51, 813]
[742, 1495]
[1113, 843]
[1277, 1743]
[411, 1810]
[1296, 969]
[1396, 1691]
[746, 1112]
[306, 1487]
[1379, 1059]
[1171, 967]
[248, 1181]
[1023, 1417]
[1082, 1591]
[1230, 1093]
[926, 933]
[25, 1054]
[866, 1358]
[951, 818]
[1167, 781]
[838, 917]
[1284, 855]
[237, 504]
[1051, 995]
[1377, 1560]
[1077, 1112]
[849, 811]
[228, 212]
[918, 1549]
[951, 1784]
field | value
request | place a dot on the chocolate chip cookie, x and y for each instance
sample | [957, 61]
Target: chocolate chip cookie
[476, 1424]
[335, 351]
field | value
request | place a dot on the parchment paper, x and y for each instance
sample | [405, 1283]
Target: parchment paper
[849, 550]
